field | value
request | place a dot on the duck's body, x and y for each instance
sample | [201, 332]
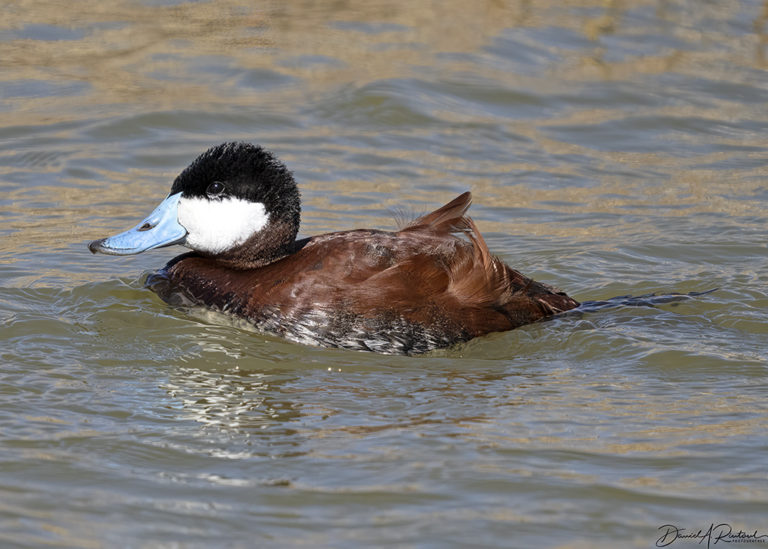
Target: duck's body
[406, 292]
[420, 288]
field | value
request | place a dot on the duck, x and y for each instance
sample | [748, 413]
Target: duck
[431, 284]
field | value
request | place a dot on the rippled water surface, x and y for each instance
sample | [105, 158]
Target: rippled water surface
[613, 148]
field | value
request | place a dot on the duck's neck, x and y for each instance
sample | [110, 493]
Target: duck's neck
[273, 243]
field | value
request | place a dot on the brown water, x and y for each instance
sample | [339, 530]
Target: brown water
[613, 148]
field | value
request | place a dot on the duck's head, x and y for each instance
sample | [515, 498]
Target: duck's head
[236, 202]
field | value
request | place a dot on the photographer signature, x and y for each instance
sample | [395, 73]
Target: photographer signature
[716, 533]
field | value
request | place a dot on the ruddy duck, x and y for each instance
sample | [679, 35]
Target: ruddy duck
[405, 292]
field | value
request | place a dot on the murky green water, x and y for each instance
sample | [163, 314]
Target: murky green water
[613, 148]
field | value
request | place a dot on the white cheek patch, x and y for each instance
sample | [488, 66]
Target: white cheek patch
[215, 226]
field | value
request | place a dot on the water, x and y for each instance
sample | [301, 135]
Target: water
[613, 148]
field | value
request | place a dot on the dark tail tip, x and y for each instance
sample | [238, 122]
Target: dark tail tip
[646, 300]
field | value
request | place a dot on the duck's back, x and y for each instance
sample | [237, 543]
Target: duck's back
[409, 291]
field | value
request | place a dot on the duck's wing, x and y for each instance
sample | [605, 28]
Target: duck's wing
[473, 273]
[446, 219]
[475, 277]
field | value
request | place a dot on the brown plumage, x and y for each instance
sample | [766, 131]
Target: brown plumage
[429, 285]
[404, 292]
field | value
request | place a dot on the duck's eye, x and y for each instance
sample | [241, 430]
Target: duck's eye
[215, 188]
